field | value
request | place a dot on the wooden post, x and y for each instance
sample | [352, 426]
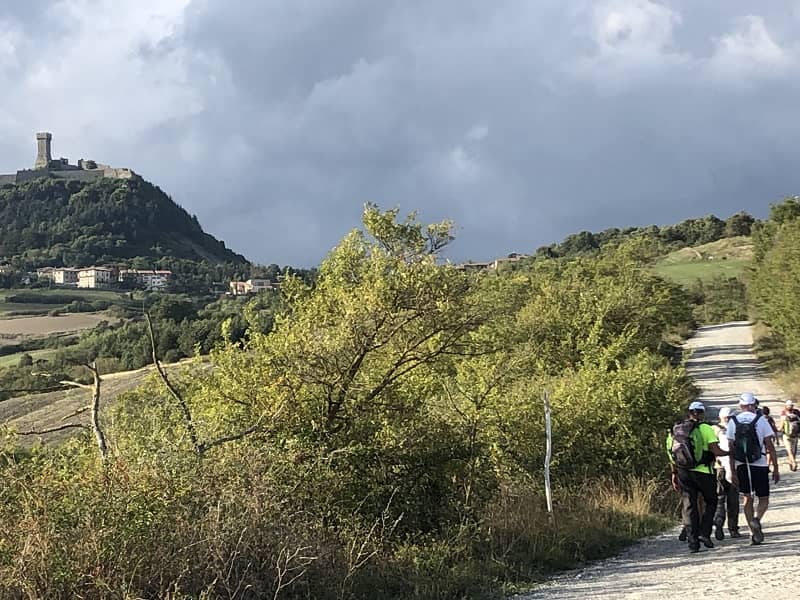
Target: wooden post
[548, 455]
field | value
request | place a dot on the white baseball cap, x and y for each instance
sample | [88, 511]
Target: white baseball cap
[724, 412]
[790, 403]
[697, 406]
[747, 398]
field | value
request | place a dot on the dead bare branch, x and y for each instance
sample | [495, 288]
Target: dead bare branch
[76, 413]
[54, 429]
[291, 566]
[95, 407]
[83, 386]
[184, 407]
[205, 446]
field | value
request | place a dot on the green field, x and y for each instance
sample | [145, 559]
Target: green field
[728, 257]
[13, 359]
[689, 272]
[43, 308]
[28, 309]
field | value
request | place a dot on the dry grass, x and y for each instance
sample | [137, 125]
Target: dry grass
[47, 410]
[593, 521]
[36, 326]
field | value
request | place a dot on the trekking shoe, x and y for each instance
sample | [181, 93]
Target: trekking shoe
[694, 549]
[706, 541]
[756, 535]
[735, 533]
[682, 535]
[719, 533]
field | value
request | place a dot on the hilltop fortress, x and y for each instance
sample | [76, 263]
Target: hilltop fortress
[45, 166]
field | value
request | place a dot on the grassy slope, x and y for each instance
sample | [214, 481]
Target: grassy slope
[728, 257]
[52, 409]
[43, 308]
[11, 360]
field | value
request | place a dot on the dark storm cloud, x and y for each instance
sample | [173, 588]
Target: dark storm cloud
[274, 121]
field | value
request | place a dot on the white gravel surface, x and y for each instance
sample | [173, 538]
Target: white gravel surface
[723, 366]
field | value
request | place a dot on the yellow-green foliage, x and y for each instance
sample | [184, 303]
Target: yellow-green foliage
[385, 440]
[775, 287]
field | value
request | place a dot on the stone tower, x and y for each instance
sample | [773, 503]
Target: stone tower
[43, 156]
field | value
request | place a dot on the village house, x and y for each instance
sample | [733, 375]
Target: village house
[96, 277]
[511, 258]
[148, 279]
[65, 276]
[494, 264]
[45, 274]
[251, 286]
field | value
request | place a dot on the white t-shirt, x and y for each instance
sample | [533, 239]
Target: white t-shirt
[722, 436]
[763, 431]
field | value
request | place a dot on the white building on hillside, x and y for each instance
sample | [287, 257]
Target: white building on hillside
[65, 276]
[96, 277]
[251, 286]
[59, 275]
[150, 280]
[45, 274]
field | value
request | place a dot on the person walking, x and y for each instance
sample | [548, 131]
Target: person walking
[692, 446]
[790, 426]
[727, 492]
[751, 440]
[771, 420]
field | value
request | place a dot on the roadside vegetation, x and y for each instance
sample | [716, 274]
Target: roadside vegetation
[716, 276]
[774, 293]
[378, 434]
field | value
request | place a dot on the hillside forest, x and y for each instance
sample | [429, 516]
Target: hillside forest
[378, 432]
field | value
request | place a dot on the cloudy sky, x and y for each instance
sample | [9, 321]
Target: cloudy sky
[522, 120]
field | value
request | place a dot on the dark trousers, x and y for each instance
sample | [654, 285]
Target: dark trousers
[727, 502]
[695, 485]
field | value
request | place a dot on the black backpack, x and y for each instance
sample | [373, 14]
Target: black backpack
[683, 455]
[746, 447]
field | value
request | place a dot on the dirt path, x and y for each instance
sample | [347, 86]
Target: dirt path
[723, 366]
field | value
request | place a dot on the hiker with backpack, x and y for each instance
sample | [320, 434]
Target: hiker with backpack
[766, 413]
[790, 426]
[692, 446]
[727, 492]
[751, 439]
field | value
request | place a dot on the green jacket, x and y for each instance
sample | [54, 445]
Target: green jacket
[703, 436]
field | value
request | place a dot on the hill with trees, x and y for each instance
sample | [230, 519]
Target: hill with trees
[690, 232]
[52, 222]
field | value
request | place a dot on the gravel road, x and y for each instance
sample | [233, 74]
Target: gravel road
[723, 366]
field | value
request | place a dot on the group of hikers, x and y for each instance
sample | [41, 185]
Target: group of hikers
[713, 465]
